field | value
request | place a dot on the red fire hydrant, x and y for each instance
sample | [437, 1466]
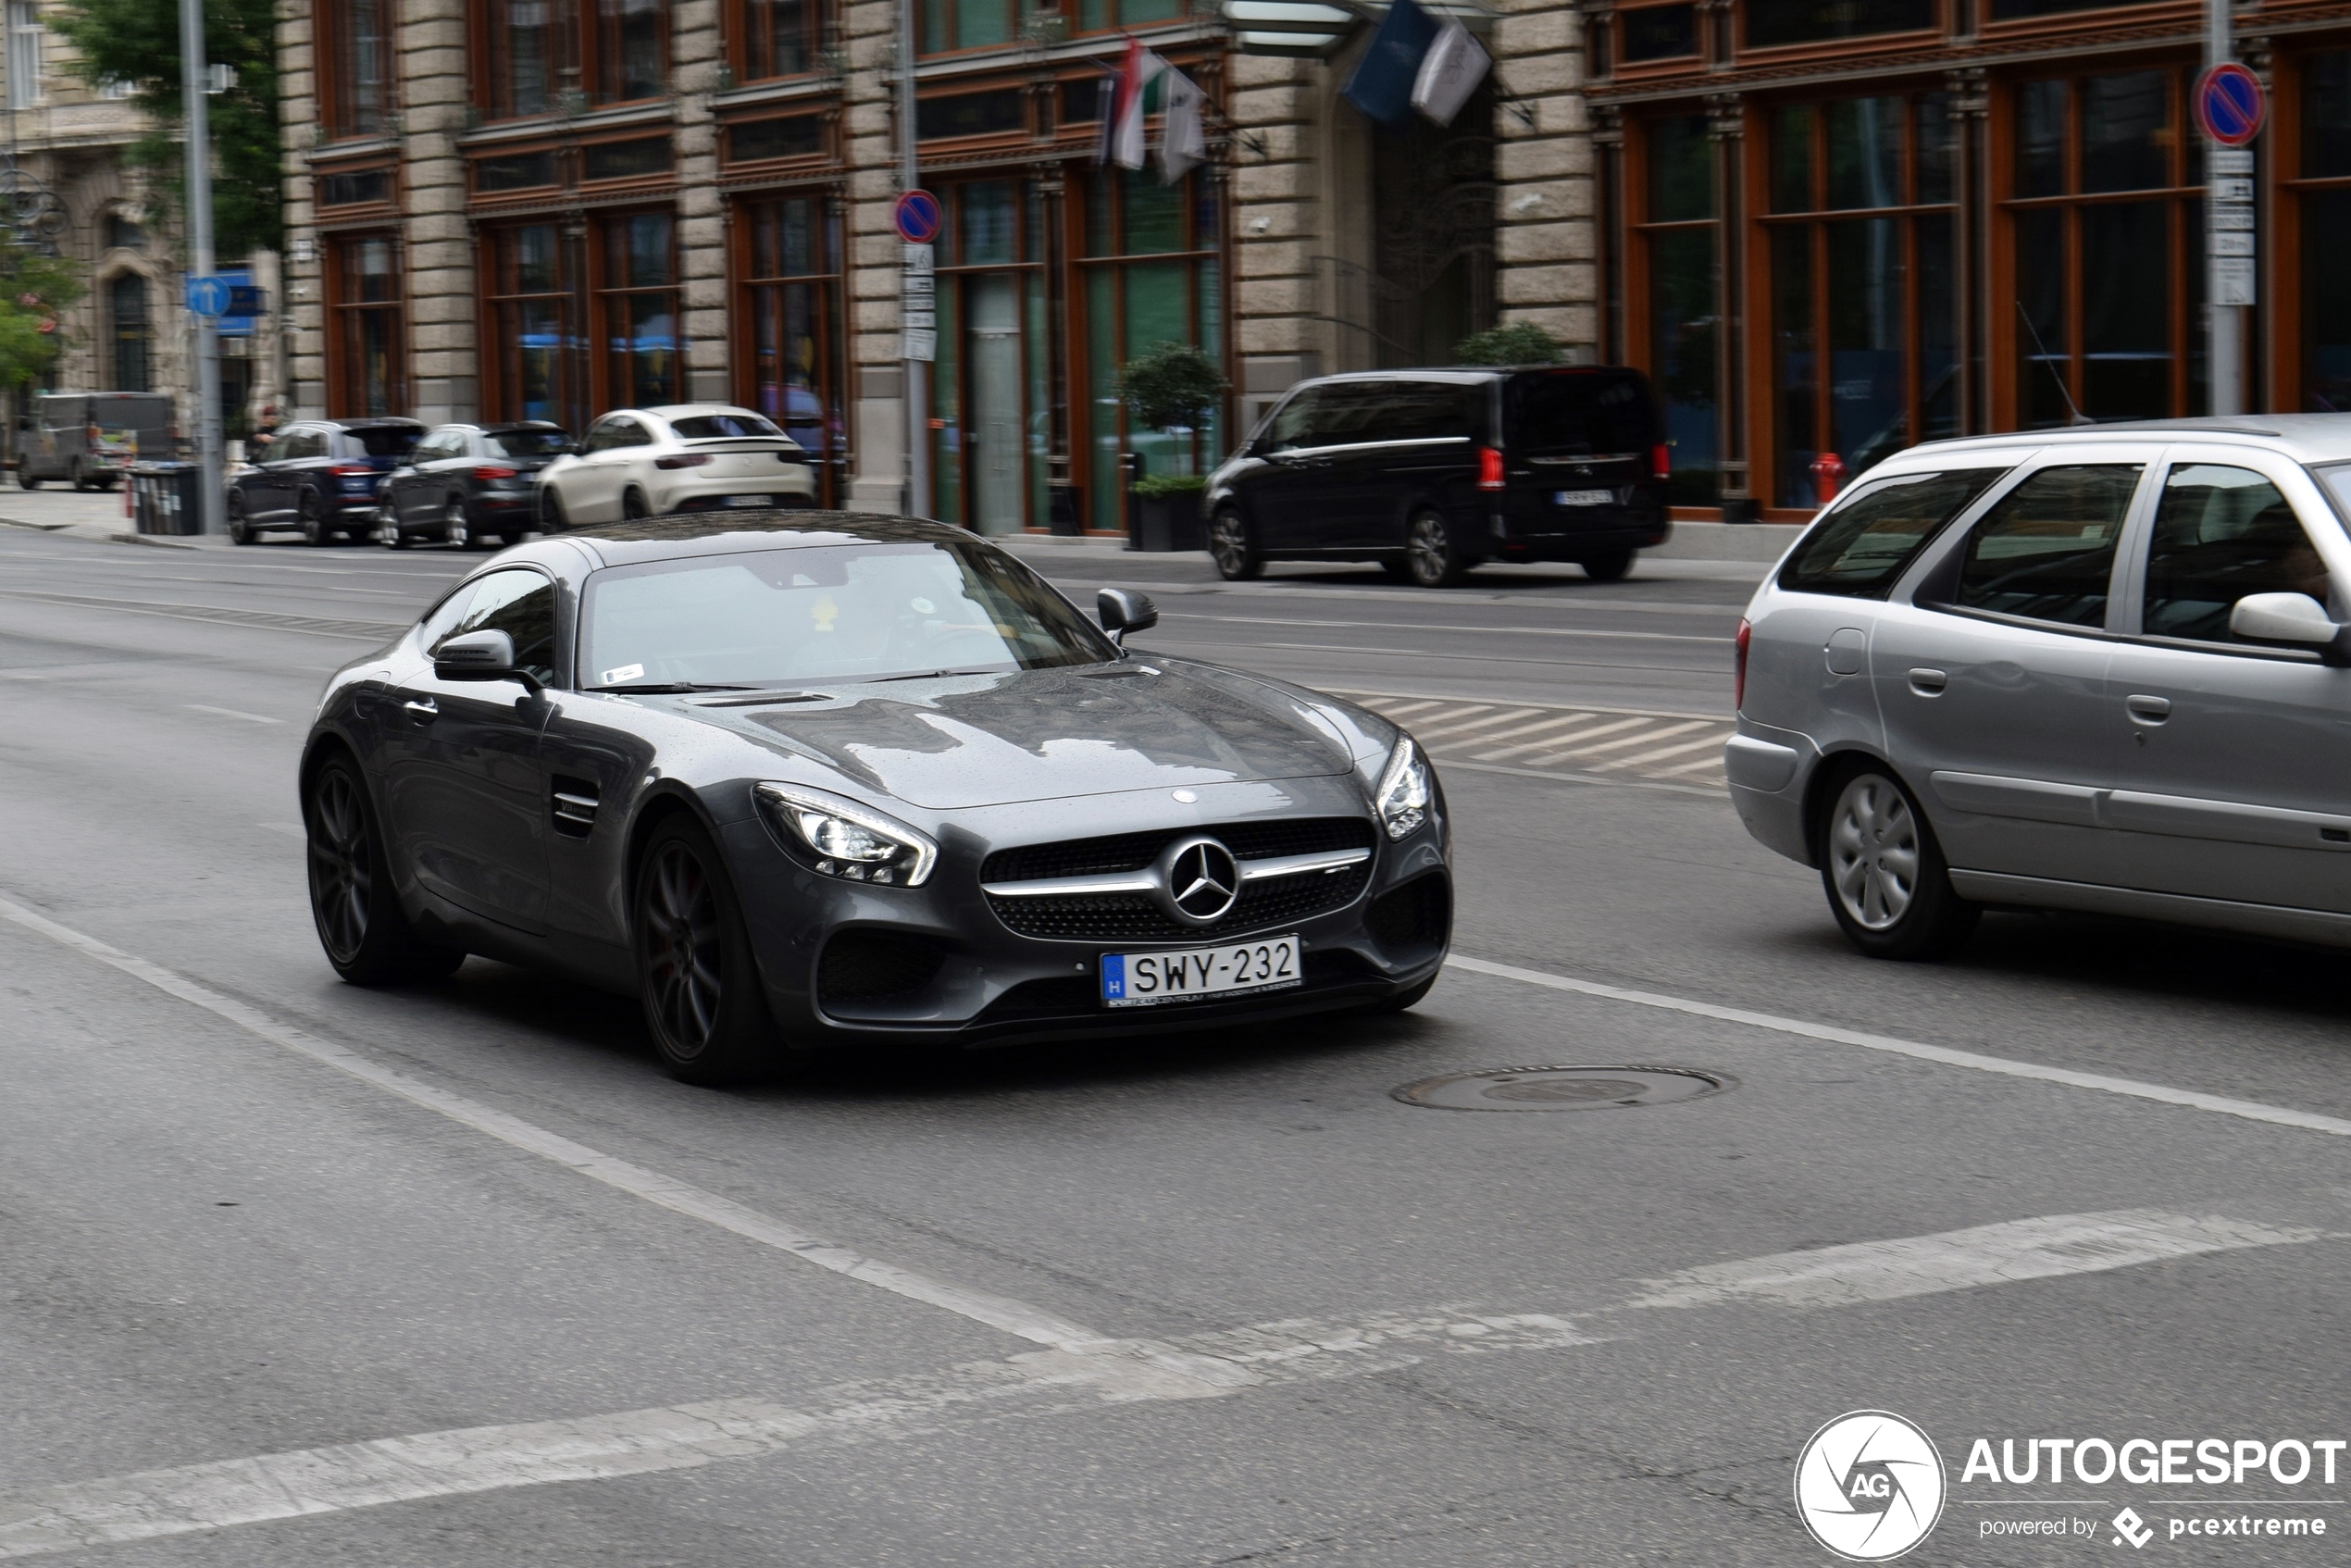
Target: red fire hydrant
[1828, 473]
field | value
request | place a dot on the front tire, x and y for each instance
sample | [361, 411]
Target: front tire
[1433, 556]
[455, 529]
[1609, 566]
[360, 923]
[632, 506]
[1888, 882]
[1232, 544]
[705, 1006]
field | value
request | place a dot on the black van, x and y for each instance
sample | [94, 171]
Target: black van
[1432, 472]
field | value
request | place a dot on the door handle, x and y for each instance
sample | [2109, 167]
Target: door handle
[424, 710]
[1929, 682]
[2147, 710]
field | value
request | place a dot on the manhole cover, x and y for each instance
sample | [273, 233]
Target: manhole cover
[1563, 1089]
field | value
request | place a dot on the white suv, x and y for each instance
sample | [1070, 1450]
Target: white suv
[681, 457]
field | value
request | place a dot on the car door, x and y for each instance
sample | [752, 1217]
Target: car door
[1991, 679]
[463, 786]
[1344, 465]
[2231, 755]
[1420, 454]
[1282, 495]
[412, 494]
[276, 486]
[604, 472]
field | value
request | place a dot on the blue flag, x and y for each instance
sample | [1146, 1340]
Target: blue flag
[1382, 85]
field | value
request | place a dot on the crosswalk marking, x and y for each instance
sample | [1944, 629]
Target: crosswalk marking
[1681, 749]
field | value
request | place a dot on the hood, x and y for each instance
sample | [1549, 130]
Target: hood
[1039, 735]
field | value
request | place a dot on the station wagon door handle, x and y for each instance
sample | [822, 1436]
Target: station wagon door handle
[1929, 682]
[2147, 710]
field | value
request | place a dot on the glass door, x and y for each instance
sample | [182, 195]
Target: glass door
[992, 354]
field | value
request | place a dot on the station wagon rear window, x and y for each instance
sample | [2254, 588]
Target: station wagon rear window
[1860, 548]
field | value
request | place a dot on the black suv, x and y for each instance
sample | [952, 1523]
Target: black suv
[467, 485]
[320, 476]
[1432, 472]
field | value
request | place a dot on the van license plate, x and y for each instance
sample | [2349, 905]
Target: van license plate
[1582, 497]
[1145, 980]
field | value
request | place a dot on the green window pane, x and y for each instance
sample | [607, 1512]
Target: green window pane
[2326, 114]
[946, 409]
[1134, 13]
[1155, 214]
[1099, 232]
[1681, 169]
[1093, 15]
[937, 31]
[1158, 301]
[2126, 131]
[982, 22]
[1684, 350]
[1101, 396]
[1041, 422]
[988, 230]
[1792, 159]
[2040, 139]
[1865, 153]
[1797, 353]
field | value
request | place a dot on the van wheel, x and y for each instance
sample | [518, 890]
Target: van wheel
[1431, 553]
[1888, 884]
[25, 480]
[1232, 544]
[1609, 566]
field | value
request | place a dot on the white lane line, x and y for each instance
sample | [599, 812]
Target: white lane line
[1459, 714]
[2194, 1100]
[230, 713]
[1452, 734]
[1645, 758]
[1536, 728]
[1578, 749]
[1699, 767]
[1963, 1260]
[1016, 1318]
[1397, 710]
[1552, 742]
[1378, 697]
[197, 1498]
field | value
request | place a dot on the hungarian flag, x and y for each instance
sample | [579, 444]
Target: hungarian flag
[1121, 142]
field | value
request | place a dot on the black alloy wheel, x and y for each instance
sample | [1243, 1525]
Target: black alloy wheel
[1232, 544]
[1609, 566]
[312, 515]
[551, 511]
[24, 477]
[705, 1005]
[1888, 882]
[240, 530]
[360, 923]
[632, 505]
[1430, 551]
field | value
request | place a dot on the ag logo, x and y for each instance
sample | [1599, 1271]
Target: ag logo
[1869, 1486]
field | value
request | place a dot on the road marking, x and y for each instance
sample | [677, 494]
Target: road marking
[1551, 742]
[230, 713]
[1661, 753]
[1699, 767]
[1963, 1260]
[1578, 749]
[1017, 1318]
[197, 1498]
[2161, 1093]
[1554, 722]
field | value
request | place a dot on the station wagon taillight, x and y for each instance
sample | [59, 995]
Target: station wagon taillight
[1490, 469]
[1660, 462]
[492, 473]
[1739, 679]
[682, 460]
[351, 470]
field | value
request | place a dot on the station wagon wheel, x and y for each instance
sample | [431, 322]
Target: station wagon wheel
[453, 527]
[313, 519]
[360, 923]
[1232, 544]
[703, 1001]
[1888, 882]
[632, 505]
[1430, 553]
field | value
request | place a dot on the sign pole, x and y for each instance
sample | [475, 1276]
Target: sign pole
[2229, 283]
[195, 119]
[915, 372]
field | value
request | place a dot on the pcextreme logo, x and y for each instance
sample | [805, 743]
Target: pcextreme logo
[1869, 1486]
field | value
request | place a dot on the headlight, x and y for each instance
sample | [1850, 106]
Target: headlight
[849, 840]
[1403, 796]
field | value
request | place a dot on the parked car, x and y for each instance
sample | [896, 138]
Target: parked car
[685, 457]
[469, 485]
[859, 782]
[2100, 669]
[321, 477]
[90, 438]
[1432, 472]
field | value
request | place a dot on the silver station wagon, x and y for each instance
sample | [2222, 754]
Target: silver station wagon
[2105, 669]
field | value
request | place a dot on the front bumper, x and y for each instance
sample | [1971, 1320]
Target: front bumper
[992, 986]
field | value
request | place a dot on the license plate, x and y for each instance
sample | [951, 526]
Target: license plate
[1147, 980]
[747, 500]
[1582, 497]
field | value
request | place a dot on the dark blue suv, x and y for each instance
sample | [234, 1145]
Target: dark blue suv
[320, 478]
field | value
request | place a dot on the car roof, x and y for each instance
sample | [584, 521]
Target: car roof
[520, 425]
[378, 423]
[769, 527]
[2308, 438]
[688, 410]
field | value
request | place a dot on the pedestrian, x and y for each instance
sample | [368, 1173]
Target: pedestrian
[265, 432]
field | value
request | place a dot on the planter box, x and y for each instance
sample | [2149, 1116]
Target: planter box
[1165, 523]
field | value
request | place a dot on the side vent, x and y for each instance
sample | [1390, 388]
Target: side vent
[572, 802]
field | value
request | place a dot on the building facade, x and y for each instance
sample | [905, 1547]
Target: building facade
[546, 208]
[1837, 227]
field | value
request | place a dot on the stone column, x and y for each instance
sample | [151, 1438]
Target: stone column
[869, 135]
[444, 319]
[1547, 240]
[305, 395]
[696, 60]
[1272, 102]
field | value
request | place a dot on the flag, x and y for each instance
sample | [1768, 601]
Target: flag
[1449, 72]
[1382, 85]
[1122, 141]
[1182, 142]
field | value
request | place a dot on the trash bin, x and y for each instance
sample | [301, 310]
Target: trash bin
[167, 497]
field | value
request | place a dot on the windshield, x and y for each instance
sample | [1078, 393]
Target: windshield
[712, 427]
[527, 443]
[867, 611]
[387, 440]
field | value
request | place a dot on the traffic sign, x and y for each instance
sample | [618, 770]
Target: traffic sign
[917, 218]
[208, 296]
[2229, 104]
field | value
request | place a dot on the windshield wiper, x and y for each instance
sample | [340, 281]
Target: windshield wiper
[934, 674]
[657, 688]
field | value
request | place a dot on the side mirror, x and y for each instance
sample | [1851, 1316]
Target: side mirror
[1122, 610]
[480, 656]
[2287, 618]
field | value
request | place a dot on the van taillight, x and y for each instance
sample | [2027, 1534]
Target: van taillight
[1490, 469]
[1660, 462]
[1738, 680]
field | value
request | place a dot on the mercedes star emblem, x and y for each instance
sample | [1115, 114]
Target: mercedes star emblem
[1199, 880]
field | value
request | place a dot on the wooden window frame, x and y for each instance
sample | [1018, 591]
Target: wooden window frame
[596, 52]
[342, 313]
[333, 41]
[490, 100]
[576, 391]
[750, 43]
[1640, 234]
[601, 293]
[958, 46]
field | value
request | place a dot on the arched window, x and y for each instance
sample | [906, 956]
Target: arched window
[131, 332]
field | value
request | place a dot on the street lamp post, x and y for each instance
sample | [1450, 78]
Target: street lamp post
[194, 112]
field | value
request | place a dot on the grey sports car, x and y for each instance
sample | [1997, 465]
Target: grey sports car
[808, 779]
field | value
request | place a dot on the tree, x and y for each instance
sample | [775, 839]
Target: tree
[1519, 342]
[137, 41]
[1171, 386]
[34, 289]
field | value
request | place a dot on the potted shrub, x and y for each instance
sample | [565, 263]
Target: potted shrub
[1168, 512]
[1169, 387]
[1519, 342]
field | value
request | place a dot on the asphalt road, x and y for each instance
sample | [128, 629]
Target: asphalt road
[494, 1291]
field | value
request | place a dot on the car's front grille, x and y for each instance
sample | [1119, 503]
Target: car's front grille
[1136, 917]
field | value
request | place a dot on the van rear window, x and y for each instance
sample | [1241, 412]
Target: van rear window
[1581, 414]
[1861, 546]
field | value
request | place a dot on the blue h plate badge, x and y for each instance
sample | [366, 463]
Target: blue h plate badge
[1114, 977]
